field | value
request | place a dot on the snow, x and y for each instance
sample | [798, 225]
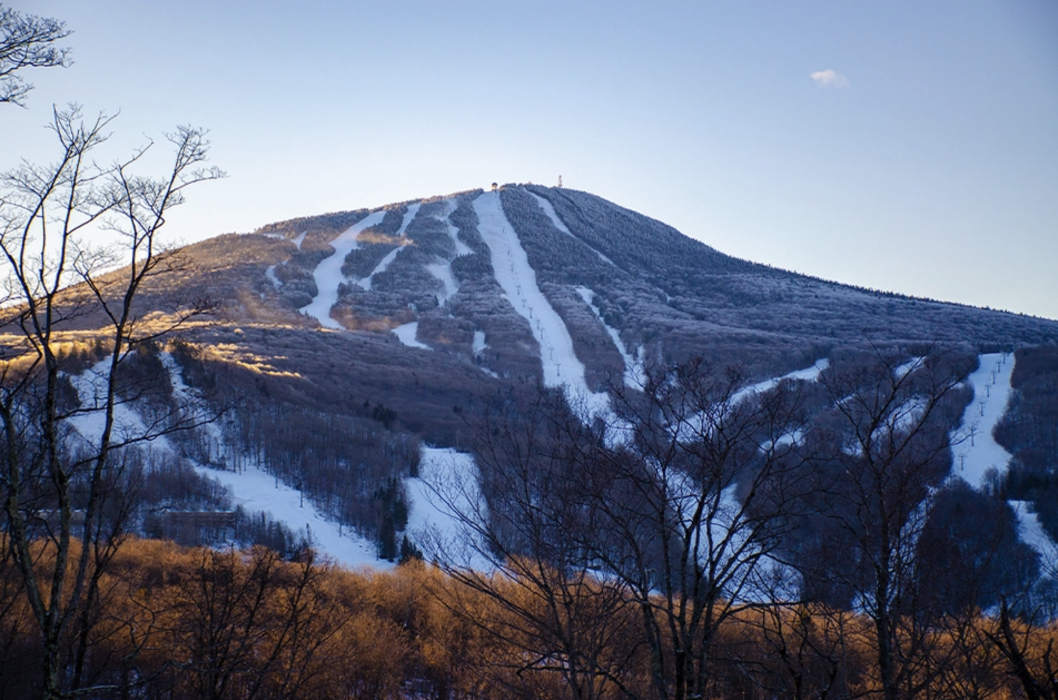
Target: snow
[634, 374]
[89, 422]
[808, 374]
[461, 247]
[976, 453]
[256, 490]
[409, 216]
[443, 271]
[444, 502]
[479, 342]
[1029, 528]
[382, 266]
[975, 450]
[553, 215]
[300, 239]
[328, 274]
[270, 273]
[911, 365]
[407, 333]
[518, 280]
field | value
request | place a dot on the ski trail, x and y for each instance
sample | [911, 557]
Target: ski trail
[383, 265]
[977, 452]
[256, 490]
[634, 374]
[553, 215]
[328, 274]
[518, 280]
[445, 506]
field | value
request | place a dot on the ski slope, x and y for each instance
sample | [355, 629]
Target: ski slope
[518, 281]
[634, 374]
[328, 274]
[976, 451]
[442, 502]
[384, 263]
[256, 490]
[549, 210]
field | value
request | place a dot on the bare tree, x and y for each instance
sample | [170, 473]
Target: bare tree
[526, 576]
[27, 41]
[675, 502]
[888, 437]
[693, 491]
[61, 496]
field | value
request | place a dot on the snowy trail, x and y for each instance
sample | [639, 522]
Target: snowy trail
[442, 268]
[270, 273]
[328, 274]
[808, 374]
[979, 452]
[257, 490]
[634, 374]
[549, 209]
[447, 482]
[1029, 528]
[518, 280]
[383, 265]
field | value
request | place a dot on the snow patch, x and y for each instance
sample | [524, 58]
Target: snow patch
[407, 333]
[518, 280]
[328, 274]
[270, 273]
[300, 239]
[479, 342]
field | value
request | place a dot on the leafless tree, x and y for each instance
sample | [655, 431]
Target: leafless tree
[61, 495]
[523, 551]
[888, 440]
[675, 500]
[693, 489]
[27, 41]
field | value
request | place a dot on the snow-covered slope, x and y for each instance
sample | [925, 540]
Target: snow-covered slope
[328, 274]
[977, 453]
[516, 276]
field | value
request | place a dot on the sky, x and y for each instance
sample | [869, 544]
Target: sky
[897, 145]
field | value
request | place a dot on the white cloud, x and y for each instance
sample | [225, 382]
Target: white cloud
[830, 78]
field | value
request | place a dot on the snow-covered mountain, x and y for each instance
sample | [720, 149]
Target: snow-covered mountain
[346, 338]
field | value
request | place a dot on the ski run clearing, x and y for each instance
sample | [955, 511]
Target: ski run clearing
[517, 278]
[328, 274]
[634, 374]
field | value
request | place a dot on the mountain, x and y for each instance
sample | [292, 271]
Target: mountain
[455, 295]
[343, 340]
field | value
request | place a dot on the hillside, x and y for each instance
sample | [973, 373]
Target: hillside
[336, 343]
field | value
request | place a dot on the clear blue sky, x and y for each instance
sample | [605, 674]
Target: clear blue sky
[922, 157]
